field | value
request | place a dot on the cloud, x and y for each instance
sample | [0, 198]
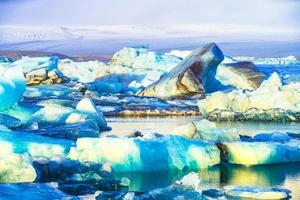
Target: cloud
[283, 13]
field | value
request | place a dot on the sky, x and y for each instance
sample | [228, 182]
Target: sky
[270, 13]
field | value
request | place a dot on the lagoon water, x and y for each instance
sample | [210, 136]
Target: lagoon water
[284, 175]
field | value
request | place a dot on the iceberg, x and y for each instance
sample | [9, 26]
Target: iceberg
[46, 91]
[131, 105]
[56, 113]
[34, 145]
[190, 77]
[87, 106]
[84, 72]
[251, 192]
[15, 168]
[59, 169]
[141, 154]
[69, 131]
[241, 75]
[39, 70]
[207, 131]
[259, 153]
[272, 101]
[288, 60]
[12, 87]
[142, 58]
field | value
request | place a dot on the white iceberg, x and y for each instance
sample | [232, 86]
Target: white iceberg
[140, 154]
[141, 58]
[15, 168]
[84, 72]
[87, 106]
[241, 75]
[272, 101]
[288, 60]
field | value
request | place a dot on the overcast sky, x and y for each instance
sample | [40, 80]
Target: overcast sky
[273, 13]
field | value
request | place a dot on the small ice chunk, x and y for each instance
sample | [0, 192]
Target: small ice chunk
[190, 181]
[252, 192]
[88, 107]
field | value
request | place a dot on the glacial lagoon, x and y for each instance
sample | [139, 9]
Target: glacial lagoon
[148, 125]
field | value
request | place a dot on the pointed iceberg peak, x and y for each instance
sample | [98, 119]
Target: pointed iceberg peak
[190, 77]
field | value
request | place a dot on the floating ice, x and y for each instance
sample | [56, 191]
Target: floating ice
[16, 168]
[206, 130]
[12, 87]
[258, 153]
[141, 58]
[190, 77]
[84, 72]
[272, 101]
[139, 154]
[46, 91]
[288, 60]
[55, 113]
[276, 137]
[241, 75]
[88, 107]
[39, 70]
[252, 192]
[34, 145]
[190, 180]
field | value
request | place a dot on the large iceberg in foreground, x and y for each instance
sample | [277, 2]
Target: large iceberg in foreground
[272, 101]
[141, 154]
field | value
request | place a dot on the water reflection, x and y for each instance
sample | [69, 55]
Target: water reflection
[286, 175]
